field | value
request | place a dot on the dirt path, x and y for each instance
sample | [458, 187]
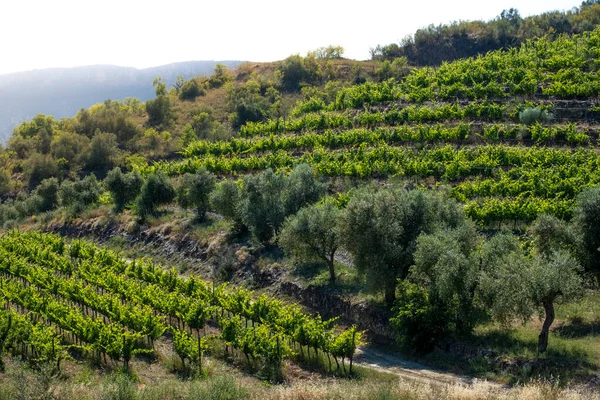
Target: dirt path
[382, 361]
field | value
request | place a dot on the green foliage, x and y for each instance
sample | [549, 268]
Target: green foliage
[247, 103]
[260, 206]
[380, 229]
[419, 324]
[39, 167]
[80, 194]
[435, 44]
[110, 116]
[293, 72]
[191, 89]
[446, 263]
[313, 234]
[103, 152]
[160, 112]
[530, 116]
[124, 188]
[72, 147]
[224, 199]
[220, 77]
[328, 53]
[302, 188]
[4, 181]
[587, 222]
[47, 191]
[156, 190]
[194, 191]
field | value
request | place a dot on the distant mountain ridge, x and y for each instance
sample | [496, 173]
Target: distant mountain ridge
[61, 92]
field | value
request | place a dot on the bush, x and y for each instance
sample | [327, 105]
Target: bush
[159, 111]
[39, 167]
[419, 324]
[124, 188]
[194, 191]
[157, 190]
[530, 116]
[48, 193]
[224, 199]
[293, 72]
[191, 89]
[103, 152]
[80, 194]
[261, 207]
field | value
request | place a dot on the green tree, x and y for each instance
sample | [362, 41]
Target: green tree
[224, 199]
[260, 206]
[293, 72]
[156, 190]
[313, 234]
[124, 188]
[302, 188]
[381, 226]
[48, 193]
[587, 222]
[80, 194]
[70, 146]
[39, 167]
[555, 278]
[103, 152]
[194, 191]
[446, 264]
[160, 108]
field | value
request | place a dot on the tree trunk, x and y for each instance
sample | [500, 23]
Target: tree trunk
[331, 265]
[543, 338]
[390, 294]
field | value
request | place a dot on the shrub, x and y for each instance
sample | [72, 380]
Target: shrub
[103, 151]
[124, 188]
[194, 191]
[191, 89]
[80, 194]
[224, 199]
[419, 323]
[530, 116]
[157, 190]
[48, 193]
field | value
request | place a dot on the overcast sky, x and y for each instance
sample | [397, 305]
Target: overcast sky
[64, 33]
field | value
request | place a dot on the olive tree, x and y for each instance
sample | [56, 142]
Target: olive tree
[554, 279]
[381, 226]
[260, 206]
[124, 188]
[302, 188]
[313, 234]
[194, 191]
[156, 190]
[587, 222]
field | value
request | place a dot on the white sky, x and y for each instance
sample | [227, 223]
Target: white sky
[65, 33]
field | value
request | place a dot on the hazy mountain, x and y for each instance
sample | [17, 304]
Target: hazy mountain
[61, 92]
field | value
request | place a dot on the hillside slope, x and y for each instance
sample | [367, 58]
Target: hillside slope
[61, 92]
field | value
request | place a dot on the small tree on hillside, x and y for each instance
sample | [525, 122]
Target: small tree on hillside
[224, 199]
[313, 234]
[555, 279]
[381, 226]
[302, 188]
[194, 191]
[260, 206]
[124, 188]
[587, 221]
[157, 190]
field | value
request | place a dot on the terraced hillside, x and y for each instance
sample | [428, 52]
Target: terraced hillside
[514, 133]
